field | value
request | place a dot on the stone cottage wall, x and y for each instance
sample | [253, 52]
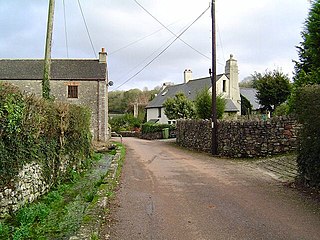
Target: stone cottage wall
[241, 138]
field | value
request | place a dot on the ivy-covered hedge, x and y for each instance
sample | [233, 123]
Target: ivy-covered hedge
[54, 135]
[307, 110]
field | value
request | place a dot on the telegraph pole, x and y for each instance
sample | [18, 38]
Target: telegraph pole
[213, 73]
[47, 58]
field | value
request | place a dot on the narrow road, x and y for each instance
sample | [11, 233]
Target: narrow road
[171, 193]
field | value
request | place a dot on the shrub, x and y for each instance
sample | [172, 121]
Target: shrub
[155, 127]
[127, 122]
[282, 109]
[307, 111]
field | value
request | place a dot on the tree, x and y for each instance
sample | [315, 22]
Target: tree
[179, 107]
[122, 101]
[307, 69]
[247, 82]
[273, 88]
[203, 104]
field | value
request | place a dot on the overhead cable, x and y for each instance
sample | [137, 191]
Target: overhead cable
[138, 40]
[176, 38]
[65, 27]
[85, 23]
[171, 31]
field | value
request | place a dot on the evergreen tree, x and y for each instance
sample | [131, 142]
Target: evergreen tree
[307, 69]
[273, 88]
[203, 104]
[179, 107]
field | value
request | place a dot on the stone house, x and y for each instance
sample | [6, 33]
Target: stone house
[77, 81]
[227, 86]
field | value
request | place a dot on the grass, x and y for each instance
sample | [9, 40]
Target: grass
[59, 213]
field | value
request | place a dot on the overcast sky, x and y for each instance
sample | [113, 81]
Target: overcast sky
[261, 34]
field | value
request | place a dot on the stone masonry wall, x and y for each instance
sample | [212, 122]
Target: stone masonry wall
[241, 138]
[28, 186]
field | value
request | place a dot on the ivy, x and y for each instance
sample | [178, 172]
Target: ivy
[42, 131]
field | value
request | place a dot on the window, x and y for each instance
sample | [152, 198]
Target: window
[224, 86]
[159, 112]
[72, 91]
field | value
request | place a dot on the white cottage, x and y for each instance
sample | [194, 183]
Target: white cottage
[227, 86]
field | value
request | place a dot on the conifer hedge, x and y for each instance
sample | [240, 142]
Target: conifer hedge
[54, 135]
[307, 110]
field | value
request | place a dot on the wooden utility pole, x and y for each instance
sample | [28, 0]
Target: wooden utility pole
[213, 73]
[47, 58]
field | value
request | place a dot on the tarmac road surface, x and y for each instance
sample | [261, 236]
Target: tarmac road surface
[167, 192]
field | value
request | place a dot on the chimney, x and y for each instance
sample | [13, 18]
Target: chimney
[103, 56]
[164, 85]
[187, 74]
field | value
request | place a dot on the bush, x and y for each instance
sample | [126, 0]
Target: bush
[307, 111]
[282, 110]
[127, 122]
[155, 127]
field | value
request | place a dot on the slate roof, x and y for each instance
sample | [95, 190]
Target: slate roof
[61, 69]
[250, 94]
[230, 106]
[190, 89]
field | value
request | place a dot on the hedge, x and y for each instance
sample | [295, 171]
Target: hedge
[155, 127]
[32, 129]
[307, 110]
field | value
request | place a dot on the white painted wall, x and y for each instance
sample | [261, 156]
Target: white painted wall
[153, 113]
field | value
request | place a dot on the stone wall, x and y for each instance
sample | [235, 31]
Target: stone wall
[28, 186]
[241, 138]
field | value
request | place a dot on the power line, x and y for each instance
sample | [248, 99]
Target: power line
[138, 40]
[171, 31]
[85, 23]
[219, 34]
[65, 27]
[177, 37]
[159, 48]
[135, 67]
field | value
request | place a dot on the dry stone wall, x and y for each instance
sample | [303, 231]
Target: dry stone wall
[29, 184]
[26, 187]
[253, 138]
